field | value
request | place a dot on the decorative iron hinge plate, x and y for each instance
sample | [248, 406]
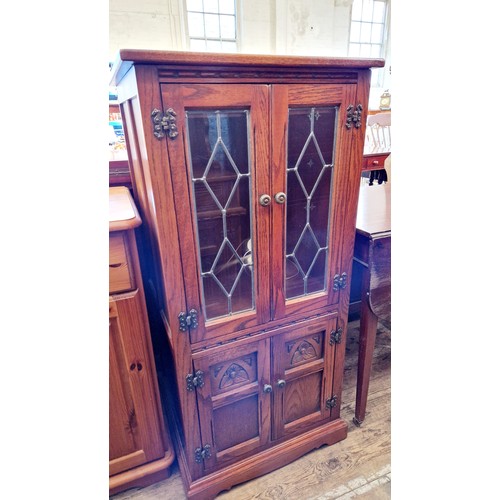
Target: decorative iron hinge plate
[164, 122]
[202, 453]
[340, 281]
[189, 320]
[336, 336]
[195, 380]
[353, 116]
[331, 402]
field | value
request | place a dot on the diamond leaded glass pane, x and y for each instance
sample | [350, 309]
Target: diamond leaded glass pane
[221, 178]
[310, 157]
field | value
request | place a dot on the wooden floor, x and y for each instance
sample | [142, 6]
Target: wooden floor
[358, 467]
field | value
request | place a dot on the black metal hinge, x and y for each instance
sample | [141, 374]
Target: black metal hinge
[202, 453]
[336, 336]
[164, 122]
[340, 282]
[195, 380]
[189, 320]
[331, 402]
[353, 116]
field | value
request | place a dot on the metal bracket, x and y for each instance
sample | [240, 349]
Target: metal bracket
[189, 320]
[353, 116]
[164, 122]
[331, 402]
[336, 336]
[195, 380]
[339, 282]
[202, 453]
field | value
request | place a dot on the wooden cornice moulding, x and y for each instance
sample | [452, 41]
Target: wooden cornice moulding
[252, 65]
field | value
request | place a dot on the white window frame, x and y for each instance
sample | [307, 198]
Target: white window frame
[237, 28]
[378, 73]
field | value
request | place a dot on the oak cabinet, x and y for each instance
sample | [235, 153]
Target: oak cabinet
[140, 450]
[246, 172]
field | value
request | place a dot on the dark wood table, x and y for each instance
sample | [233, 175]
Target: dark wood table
[372, 251]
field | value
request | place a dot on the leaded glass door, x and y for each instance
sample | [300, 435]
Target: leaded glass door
[220, 168]
[308, 176]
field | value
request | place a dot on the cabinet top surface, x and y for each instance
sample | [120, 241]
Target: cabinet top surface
[129, 57]
[123, 213]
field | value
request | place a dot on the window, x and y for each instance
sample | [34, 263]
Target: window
[212, 25]
[368, 32]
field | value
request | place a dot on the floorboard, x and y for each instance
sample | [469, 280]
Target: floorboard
[357, 468]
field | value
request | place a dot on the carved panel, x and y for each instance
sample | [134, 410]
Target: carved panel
[234, 373]
[303, 350]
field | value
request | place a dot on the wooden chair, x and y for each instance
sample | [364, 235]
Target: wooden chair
[377, 146]
[378, 133]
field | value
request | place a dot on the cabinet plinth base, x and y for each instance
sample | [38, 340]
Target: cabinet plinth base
[143, 475]
[266, 461]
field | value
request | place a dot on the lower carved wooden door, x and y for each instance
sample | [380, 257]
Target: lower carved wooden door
[234, 401]
[303, 376]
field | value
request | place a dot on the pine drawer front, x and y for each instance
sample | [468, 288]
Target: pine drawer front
[120, 275]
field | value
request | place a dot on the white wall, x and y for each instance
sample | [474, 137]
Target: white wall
[287, 27]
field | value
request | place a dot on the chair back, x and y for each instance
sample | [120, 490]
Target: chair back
[378, 133]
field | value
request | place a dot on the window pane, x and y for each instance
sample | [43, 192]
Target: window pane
[365, 32]
[367, 10]
[226, 6]
[229, 46]
[356, 10]
[377, 32]
[213, 45]
[376, 49]
[212, 26]
[198, 45]
[195, 25]
[194, 5]
[211, 6]
[365, 50]
[378, 12]
[355, 32]
[227, 27]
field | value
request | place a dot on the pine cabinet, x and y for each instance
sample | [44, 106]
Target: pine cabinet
[246, 172]
[140, 450]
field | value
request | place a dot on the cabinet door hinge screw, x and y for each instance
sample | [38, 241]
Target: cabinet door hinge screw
[202, 453]
[331, 402]
[336, 336]
[164, 122]
[189, 320]
[195, 380]
[339, 281]
[353, 116]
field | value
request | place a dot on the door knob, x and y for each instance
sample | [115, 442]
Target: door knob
[268, 388]
[280, 197]
[264, 200]
[281, 383]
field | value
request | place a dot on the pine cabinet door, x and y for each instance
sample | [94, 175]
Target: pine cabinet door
[234, 402]
[303, 377]
[134, 426]
[311, 155]
[220, 169]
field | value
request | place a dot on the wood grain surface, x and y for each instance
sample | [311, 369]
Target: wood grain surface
[358, 467]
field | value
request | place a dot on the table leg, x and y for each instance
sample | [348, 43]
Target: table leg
[367, 334]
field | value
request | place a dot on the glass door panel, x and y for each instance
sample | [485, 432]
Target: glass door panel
[218, 164]
[219, 161]
[308, 169]
[311, 140]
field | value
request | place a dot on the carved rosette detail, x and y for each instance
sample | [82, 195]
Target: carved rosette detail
[235, 374]
[304, 351]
